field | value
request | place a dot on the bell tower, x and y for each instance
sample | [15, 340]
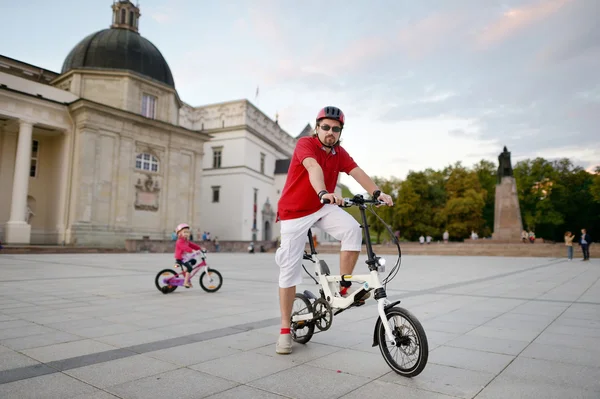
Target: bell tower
[126, 15]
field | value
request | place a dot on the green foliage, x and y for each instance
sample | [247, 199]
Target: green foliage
[595, 187]
[553, 196]
[463, 211]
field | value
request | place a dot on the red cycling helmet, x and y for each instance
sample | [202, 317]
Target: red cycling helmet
[330, 112]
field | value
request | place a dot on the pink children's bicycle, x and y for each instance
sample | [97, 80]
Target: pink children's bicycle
[167, 280]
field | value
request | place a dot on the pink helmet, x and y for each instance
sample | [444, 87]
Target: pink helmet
[181, 226]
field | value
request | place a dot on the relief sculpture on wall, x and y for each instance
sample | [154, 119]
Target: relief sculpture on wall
[146, 195]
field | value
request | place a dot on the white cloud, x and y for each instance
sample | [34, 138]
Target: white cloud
[393, 150]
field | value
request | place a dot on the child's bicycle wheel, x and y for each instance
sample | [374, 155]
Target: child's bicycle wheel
[162, 275]
[208, 285]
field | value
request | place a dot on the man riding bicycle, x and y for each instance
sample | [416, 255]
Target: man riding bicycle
[312, 177]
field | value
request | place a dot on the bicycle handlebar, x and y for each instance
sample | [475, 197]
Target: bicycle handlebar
[356, 200]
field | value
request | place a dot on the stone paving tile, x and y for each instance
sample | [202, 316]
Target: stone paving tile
[577, 331]
[300, 353]
[449, 380]
[12, 360]
[127, 339]
[66, 350]
[449, 327]
[96, 395]
[553, 373]
[312, 382]
[562, 354]
[104, 330]
[34, 341]
[470, 359]
[381, 389]
[120, 371]
[195, 353]
[19, 332]
[243, 367]
[486, 344]
[245, 392]
[15, 324]
[517, 334]
[575, 322]
[521, 321]
[52, 386]
[370, 365]
[503, 387]
[566, 340]
[182, 383]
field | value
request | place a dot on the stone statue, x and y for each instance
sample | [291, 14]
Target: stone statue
[504, 165]
[28, 214]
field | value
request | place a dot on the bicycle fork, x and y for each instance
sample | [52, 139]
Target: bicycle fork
[381, 305]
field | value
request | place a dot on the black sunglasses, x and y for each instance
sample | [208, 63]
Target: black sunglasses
[336, 129]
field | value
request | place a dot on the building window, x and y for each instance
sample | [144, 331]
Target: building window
[217, 157]
[216, 190]
[149, 106]
[131, 18]
[262, 163]
[123, 15]
[35, 145]
[146, 162]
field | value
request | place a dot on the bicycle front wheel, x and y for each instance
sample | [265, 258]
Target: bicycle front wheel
[408, 357]
[208, 285]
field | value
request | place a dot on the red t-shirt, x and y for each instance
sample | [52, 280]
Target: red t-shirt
[299, 198]
[184, 246]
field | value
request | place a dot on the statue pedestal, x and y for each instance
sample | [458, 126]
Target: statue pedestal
[507, 214]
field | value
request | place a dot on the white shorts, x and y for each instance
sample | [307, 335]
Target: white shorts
[330, 218]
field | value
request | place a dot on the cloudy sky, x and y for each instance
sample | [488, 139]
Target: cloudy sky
[423, 84]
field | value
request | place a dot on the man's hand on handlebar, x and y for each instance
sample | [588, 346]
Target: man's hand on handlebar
[331, 198]
[387, 199]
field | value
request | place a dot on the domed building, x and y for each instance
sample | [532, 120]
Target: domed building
[105, 151]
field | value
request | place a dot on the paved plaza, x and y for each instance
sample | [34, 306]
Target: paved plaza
[95, 326]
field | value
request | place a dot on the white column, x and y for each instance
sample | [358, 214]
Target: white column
[17, 230]
[63, 179]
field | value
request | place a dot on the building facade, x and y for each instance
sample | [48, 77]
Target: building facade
[106, 150]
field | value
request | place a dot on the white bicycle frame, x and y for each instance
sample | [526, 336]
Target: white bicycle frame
[330, 285]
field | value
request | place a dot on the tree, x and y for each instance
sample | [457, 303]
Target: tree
[390, 187]
[536, 180]
[595, 187]
[463, 211]
[486, 173]
[428, 197]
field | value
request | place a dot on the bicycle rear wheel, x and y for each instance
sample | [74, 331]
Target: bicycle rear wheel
[162, 275]
[302, 330]
[411, 342]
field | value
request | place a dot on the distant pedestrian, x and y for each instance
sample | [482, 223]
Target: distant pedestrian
[569, 243]
[585, 241]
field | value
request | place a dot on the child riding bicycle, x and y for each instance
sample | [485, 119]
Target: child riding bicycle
[183, 249]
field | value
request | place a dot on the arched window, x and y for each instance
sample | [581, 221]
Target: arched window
[123, 15]
[131, 18]
[147, 162]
